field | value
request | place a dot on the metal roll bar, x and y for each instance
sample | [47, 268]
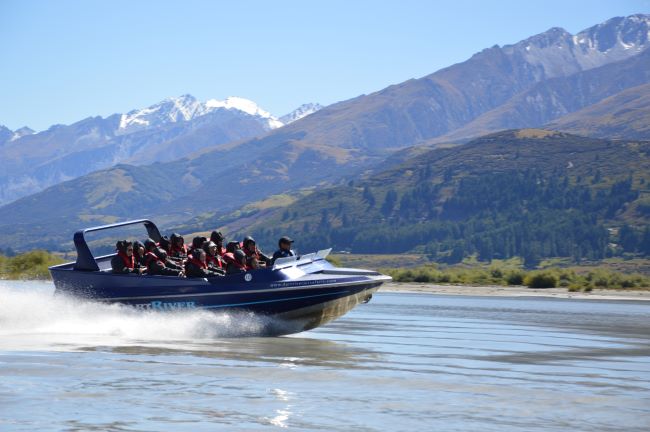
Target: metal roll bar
[86, 260]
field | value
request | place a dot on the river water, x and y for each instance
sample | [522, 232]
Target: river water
[402, 362]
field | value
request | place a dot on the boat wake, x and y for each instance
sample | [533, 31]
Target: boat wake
[31, 317]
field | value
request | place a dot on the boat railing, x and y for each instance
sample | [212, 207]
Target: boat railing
[294, 261]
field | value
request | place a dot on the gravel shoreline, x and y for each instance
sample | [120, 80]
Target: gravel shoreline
[514, 291]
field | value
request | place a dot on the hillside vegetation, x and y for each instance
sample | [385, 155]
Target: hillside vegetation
[30, 265]
[533, 194]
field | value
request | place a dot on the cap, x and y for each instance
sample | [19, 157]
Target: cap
[285, 239]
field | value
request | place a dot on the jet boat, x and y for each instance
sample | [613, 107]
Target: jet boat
[294, 295]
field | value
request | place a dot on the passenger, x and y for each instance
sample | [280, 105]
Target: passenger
[251, 250]
[197, 242]
[229, 256]
[165, 244]
[212, 257]
[238, 265]
[124, 262]
[138, 253]
[218, 239]
[149, 246]
[169, 263]
[156, 259]
[232, 246]
[178, 249]
[284, 250]
[196, 266]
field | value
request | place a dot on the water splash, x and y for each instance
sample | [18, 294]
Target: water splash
[31, 315]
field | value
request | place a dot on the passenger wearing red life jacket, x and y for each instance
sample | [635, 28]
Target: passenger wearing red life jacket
[196, 266]
[250, 249]
[238, 265]
[229, 256]
[138, 254]
[178, 250]
[165, 244]
[213, 259]
[124, 262]
[156, 261]
[217, 238]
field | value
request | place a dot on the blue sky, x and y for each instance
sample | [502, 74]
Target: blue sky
[62, 61]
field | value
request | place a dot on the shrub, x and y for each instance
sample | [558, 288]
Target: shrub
[540, 279]
[515, 278]
[496, 273]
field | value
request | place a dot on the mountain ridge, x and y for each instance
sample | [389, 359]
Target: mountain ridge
[170, 129]
[348, 139]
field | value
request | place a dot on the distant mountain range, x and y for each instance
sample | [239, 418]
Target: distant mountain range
[553, 78]
[168, 130]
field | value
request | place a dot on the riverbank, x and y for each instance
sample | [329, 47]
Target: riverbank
[515, 291]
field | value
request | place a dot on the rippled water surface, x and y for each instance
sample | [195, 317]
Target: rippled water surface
[402, 362]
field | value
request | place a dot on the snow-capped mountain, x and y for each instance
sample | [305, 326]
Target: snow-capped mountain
[7, 135]
[23, 131]
[557, 52]
[302, 111]
[170, 129]
[186, 108]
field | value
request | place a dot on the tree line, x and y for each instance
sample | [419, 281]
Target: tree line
[498, 215]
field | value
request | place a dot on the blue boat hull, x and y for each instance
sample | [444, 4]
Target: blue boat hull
[299, 297]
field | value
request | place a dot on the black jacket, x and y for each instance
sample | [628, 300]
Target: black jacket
[155, 266]
[281, 253]
[194, 271]
[118, 266]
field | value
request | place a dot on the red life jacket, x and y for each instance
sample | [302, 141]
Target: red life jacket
[229, 257]
[181, 250]
[128, 261]
[150, 257]
[197, 262]
[254, 254]
[214, 260]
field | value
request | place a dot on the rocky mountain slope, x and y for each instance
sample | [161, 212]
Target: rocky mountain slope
[558, 97]
[624, 115]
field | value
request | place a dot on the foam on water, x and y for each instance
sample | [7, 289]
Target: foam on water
[32, 317]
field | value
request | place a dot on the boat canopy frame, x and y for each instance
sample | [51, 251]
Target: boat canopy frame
[85, 259]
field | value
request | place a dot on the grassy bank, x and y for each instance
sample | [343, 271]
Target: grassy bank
[572, 279]
[605, 274]
[30, 265]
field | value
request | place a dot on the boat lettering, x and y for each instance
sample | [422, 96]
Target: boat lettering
[302, 283]
[160, 305]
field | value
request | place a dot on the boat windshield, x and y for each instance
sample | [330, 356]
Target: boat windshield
[301, 260]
